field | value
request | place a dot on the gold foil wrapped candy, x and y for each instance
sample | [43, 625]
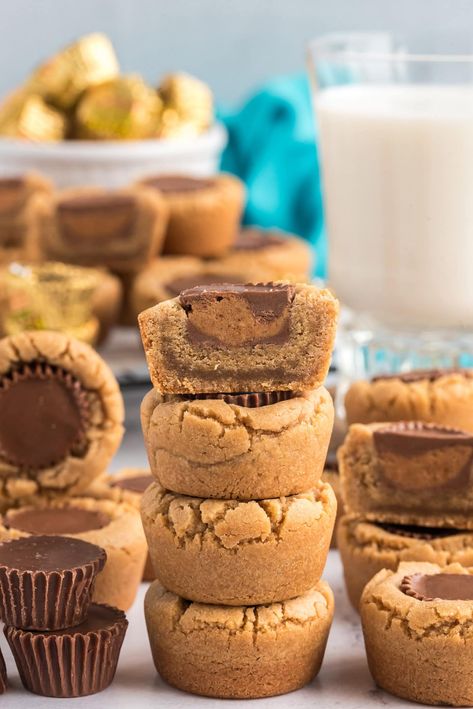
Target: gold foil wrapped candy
[188, 106]
[61, 80]
[23, 115]
[123, 109]
[49, 296]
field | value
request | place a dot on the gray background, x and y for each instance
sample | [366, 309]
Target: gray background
[232, 44]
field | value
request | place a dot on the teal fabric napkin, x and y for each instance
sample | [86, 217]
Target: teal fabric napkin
[272, 148]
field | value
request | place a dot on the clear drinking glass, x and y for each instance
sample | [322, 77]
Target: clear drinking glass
[396, 144]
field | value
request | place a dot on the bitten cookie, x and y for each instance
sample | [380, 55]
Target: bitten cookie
[227, 448]
[408, 472]
[204, 213]
[367, 547]
[240, 652]
[17, 214]
[121, 230]
[442, 396]
[417, 626]
[238, 553]
[232, 338]
[166, 277]
[114, 527]
[270, 254]
[61, 415]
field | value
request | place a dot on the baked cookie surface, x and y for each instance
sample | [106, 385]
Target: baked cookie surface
[217, 448]
[240, 652]
[238, 553]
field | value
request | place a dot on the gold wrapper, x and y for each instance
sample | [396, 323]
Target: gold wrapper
[188, 106]
[123, 109]
[50, 296]
[61, 80]
[23, 115]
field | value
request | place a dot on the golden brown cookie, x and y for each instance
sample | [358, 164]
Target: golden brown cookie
[408, 472]
[204, 213]
[107, 303]
[240, 652]
[114, 527]
[61, 415]
[238, 553]
[224, 448]
[167, 276]
[231, 338]
[418, 632]
[89, 226]
[368, 547]
[442, 396]
[270, 254]
[17, 208]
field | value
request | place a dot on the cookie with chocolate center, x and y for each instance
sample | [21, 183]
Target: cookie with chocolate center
[408, 473]
[121, 230]
[367, 547]
[61, 415]
[417, 631]
[204, 213]
[263, 337]
[441, 396]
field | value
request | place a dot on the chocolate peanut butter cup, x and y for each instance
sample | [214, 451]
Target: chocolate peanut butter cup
[182, 283]
[101, 217]
[73, 662]
[444, 587]
[256, 239]
[55, 520]
[232, 314]
[421, 456]
[46, 582]
[44, 414]
[412, 531]
[250, 400]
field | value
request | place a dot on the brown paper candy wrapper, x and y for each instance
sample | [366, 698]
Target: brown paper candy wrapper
[47, 599]
[123, 109]
[188, 106]
[61, 80]
[26, 116]
[50, 296]
[70, 663]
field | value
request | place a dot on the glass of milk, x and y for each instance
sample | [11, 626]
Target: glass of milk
[396, 146]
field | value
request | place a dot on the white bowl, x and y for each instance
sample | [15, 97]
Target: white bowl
[113, 163]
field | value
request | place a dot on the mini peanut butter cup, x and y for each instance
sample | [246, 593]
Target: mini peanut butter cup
[250, 400]
[43, 416]
[178, 184]
[46, 582]
[73, 662]
[181, 283]
[256, 240]
[3, 675]
[442, 587]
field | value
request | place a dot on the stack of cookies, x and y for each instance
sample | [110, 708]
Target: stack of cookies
[61, 422]
[405, 474]
[63, 644]
[238, 521]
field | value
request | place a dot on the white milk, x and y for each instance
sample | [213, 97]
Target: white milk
[398, 181]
